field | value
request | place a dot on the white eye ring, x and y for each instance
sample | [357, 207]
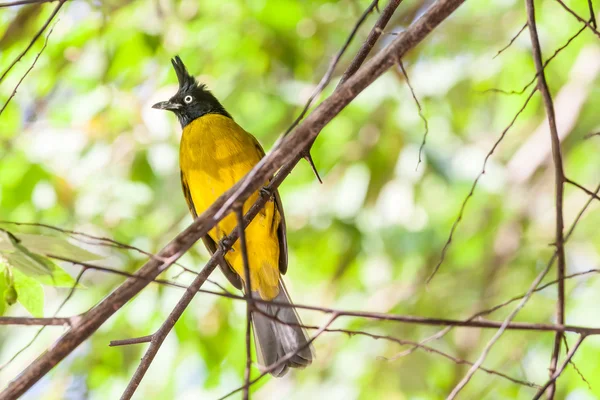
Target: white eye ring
[188, 99]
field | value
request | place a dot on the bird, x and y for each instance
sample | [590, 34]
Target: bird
[215, 152]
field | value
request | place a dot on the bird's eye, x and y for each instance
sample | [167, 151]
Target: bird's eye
[188, 99]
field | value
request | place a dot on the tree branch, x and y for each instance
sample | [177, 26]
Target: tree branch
[559, 181]
[368, 44]
[32, 321]
[248, 294]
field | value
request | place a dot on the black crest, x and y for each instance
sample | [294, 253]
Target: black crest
[192, 100]
[186, 81]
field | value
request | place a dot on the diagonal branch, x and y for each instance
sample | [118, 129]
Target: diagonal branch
[560, 370]
[590, 25]
[24, 2]
[368, 45]
[474, 186]
[34, 39]
[14, 92]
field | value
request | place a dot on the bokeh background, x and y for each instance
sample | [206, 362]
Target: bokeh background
[80, 148]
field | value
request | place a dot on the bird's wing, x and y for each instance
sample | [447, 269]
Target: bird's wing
[210, 244]
[281, 229]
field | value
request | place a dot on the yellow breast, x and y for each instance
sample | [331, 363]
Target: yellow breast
[215, 153]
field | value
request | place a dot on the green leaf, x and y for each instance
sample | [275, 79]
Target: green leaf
[55, 277]
[55, 246]
[59, 278]
[30, 293]
[28, 264]
[26, 260]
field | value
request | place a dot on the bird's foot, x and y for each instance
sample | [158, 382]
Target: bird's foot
[225, 245]
[265, 192]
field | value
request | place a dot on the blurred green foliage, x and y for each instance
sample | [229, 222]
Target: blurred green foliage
[80, 148]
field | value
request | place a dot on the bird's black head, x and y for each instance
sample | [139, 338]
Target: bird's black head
[192, 100]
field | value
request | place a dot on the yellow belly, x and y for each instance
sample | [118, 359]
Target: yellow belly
[215, 153]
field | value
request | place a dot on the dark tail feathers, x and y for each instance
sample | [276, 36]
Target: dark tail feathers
[274, 340]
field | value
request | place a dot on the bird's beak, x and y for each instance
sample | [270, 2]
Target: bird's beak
[167, 105]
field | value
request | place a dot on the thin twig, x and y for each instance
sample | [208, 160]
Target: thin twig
[33, 40]
[511, 40]
[25, 2]
[532, 81]
[414, 96]
[589, 192]
[560, 370]
[475, 182]
[33, 321]
[368, 44]
[589, 25]
[248, 294]
[127, 342]
[14, 92]
[566, 343]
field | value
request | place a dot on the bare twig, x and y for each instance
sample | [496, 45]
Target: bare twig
[531, 82]
[14, 92]
[566, 343]
[511, 41]
[51, 321]
[368, 44]
[25, 2]
[127, 342]
[590, 25]
[33, 40]
[592, 14]
[414, 96]
[560, 370]
[475, 182]
[589, 192]
[428, 349]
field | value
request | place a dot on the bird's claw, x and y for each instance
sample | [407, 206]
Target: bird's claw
[225, 245]
[265, 192]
